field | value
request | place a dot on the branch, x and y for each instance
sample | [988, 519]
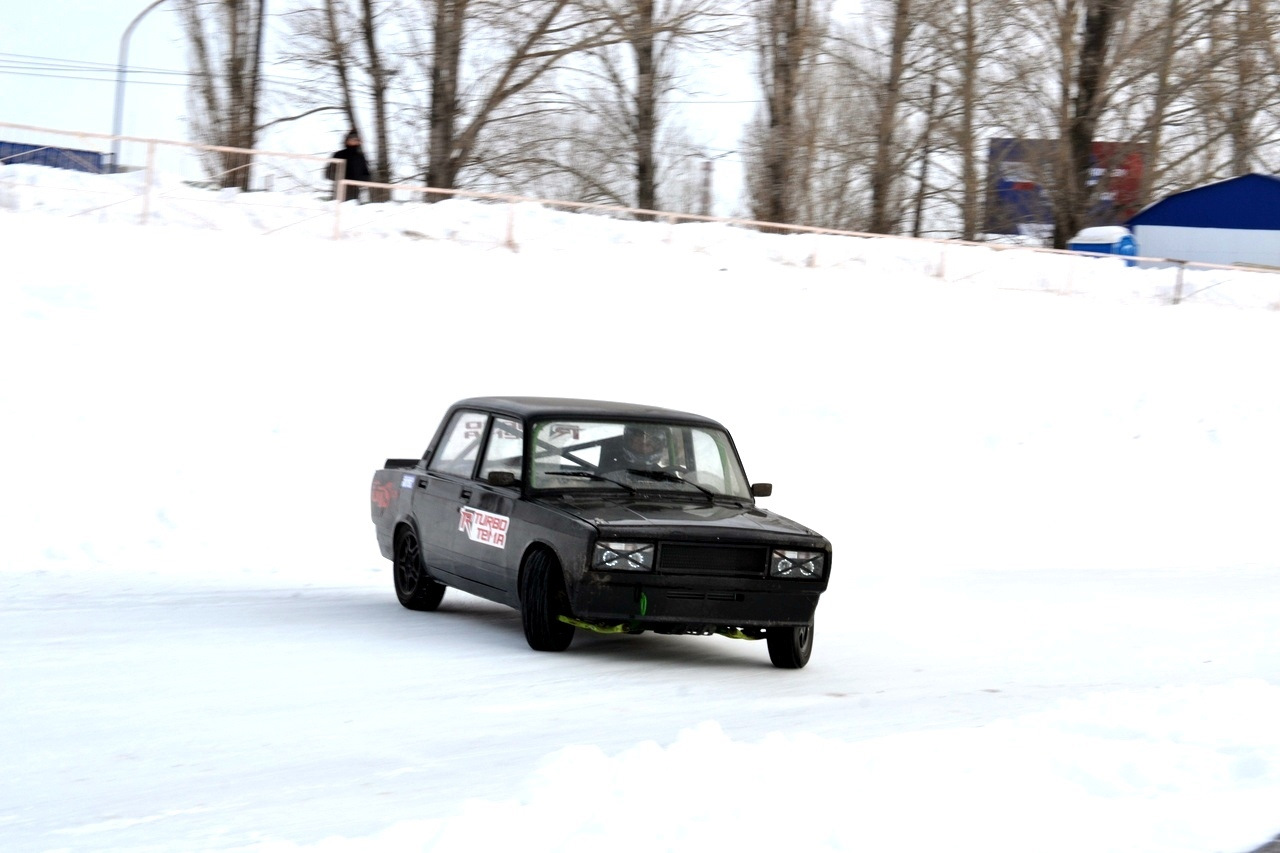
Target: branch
[274, 122]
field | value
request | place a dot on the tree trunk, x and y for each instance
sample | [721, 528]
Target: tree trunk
[255, 79]
[1250, 59]
[882, 221]
[646, 105]
[342, 62]
[783, 52]
[236, 61]
[1074, 195]
[1163, 96]
[227, 47]
[381, 165]
[442, 166]
[925, 152]
[970, 186]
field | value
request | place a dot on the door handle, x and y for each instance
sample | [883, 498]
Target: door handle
[466, 494]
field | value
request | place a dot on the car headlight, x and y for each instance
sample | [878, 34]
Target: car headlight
[795, 564]
[623, 557]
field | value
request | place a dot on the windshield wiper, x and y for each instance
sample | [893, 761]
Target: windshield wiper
[592, 475]
[671, 477]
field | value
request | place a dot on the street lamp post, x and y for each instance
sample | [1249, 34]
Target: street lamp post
[120, 74]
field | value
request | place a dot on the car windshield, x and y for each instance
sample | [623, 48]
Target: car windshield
[630, 456]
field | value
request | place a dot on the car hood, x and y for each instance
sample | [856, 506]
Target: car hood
[680, 519]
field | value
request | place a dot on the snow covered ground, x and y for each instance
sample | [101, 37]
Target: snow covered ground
[1051, 623]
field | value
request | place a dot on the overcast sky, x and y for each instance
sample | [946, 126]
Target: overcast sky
[58, 62]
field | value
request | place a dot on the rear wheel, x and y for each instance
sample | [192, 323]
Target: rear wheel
[542, 601]
[789, 648]
[415, 590]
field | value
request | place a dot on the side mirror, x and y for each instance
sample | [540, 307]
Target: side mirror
[761, 490]
[502, 478]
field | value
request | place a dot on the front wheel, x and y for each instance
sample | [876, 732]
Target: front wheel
[542, 601]
[789, 648]
[415, 590]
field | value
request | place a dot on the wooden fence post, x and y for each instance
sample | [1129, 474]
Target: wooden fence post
[148, 178]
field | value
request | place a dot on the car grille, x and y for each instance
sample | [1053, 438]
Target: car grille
[726, 561]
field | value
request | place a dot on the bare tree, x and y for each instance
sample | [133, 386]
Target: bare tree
[1143, 77]
[589, 127]
[650, 33]
[521, 46]
[789, 37]
[341, 42]
[970, 49]
[1168, 91]
[965, 139]
[889, 101]
[226, 39]
[875, 125]
[835, 134]
[379, 83]
[336, 37]
[638, 25]
[627, 86]
[782, 50]
[444, 158]
[868, 111]
[1111, 103]
[1167, 42]
[1067, 89]
[1242, 87]
[1083, 110]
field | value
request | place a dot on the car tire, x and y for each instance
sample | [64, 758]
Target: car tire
[542, 601]
[789, 648]
[414, 588]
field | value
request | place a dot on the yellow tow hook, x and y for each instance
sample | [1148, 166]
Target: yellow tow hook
[590, 626]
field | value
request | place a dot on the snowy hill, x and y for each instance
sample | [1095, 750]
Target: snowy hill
[1051, 616]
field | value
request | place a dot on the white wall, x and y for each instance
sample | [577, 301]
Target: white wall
[1208, 245]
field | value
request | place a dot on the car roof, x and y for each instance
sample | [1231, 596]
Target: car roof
[569, 407]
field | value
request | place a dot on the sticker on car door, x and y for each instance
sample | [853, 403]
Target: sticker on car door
[487, 528]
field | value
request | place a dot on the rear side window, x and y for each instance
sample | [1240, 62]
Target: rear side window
[460, 444]
[505, 450]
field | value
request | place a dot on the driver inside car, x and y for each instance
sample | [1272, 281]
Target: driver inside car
[642, 447]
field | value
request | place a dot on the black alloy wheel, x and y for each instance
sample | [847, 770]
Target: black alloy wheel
[414, 588]
[789, 648]
[542, 601]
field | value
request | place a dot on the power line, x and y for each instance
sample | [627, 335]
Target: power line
[49, 67]
[19, 59]
[107, 73]
[16, 73]
[25, 60]
[108, 76]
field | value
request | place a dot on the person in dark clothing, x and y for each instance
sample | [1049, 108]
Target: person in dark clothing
[642, 447]
[357, 167]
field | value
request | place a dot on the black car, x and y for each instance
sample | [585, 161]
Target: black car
[611, 517]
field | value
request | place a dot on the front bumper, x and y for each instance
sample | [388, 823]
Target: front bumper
[659, 602]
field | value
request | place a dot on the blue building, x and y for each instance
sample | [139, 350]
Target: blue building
[59, 158]
[1236, 221]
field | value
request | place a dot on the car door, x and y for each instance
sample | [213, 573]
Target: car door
[494, 536]
[440, 494]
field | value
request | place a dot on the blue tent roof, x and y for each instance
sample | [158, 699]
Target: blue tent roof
[1250, 202]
